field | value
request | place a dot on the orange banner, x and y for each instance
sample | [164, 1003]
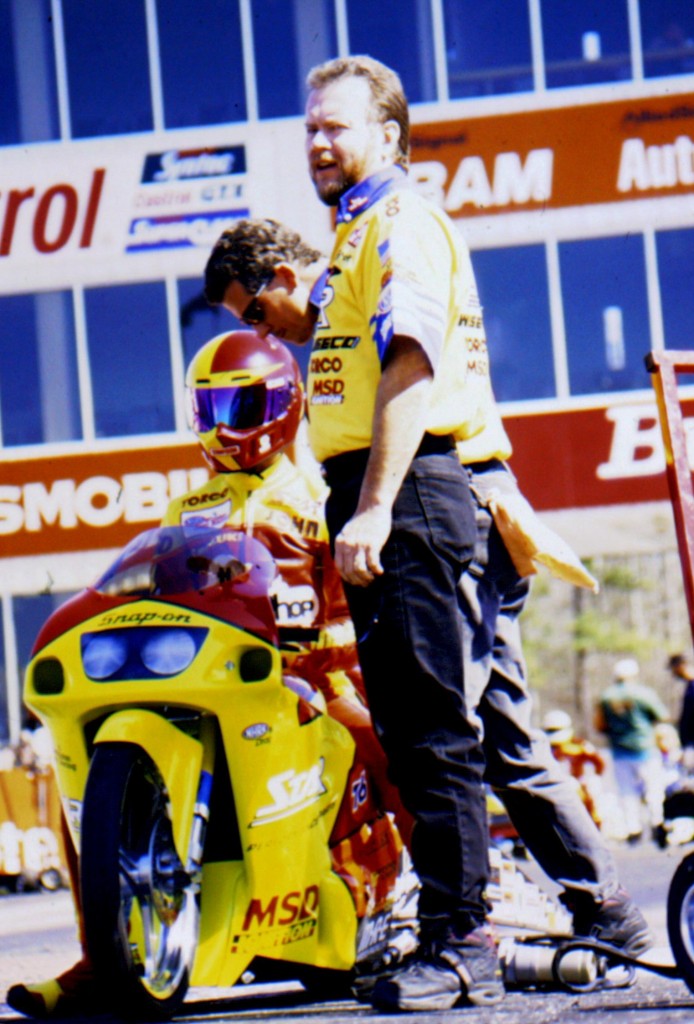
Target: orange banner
[564, 157]
[91, 500]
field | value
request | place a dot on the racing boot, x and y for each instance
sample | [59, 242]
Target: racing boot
[448, 970]
[616, 921]
[73, 993]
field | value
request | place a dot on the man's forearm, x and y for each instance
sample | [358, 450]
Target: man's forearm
[398, 428]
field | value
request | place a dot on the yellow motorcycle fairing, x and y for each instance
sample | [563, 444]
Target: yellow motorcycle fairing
[288, 767]
[286, 902]
[178, 758]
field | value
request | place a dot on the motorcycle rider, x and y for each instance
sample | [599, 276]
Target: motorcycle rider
[245, 404]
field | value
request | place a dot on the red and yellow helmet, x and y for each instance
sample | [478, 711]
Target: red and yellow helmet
[245, 399]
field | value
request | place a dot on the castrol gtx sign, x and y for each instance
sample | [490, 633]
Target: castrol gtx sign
[136, 207]
[187, 198]
[62, 215]
[85, 202]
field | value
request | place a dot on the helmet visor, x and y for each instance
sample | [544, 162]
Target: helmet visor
[239, 408]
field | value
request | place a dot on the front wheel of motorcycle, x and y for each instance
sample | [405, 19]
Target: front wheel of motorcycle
[680, 919]
[140, 906]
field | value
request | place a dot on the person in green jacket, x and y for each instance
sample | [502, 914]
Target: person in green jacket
[627, 714]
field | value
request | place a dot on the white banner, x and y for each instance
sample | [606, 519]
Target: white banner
[137, 207]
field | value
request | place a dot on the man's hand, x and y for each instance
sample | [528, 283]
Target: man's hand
[402, 401]
[359, 544]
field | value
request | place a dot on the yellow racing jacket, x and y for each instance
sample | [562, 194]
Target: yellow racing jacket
[283, 508]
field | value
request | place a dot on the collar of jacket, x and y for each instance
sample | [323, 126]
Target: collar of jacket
[367, 192]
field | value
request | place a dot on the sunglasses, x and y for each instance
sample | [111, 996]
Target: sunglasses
[254, 313]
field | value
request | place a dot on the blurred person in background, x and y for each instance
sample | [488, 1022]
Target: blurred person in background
[678, 807]
[581, 758]
[682, 669]
[627, 714]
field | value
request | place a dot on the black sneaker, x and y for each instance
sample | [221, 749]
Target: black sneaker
[616, 921]
[465, 970]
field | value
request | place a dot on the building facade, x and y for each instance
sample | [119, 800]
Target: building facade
[558, 133]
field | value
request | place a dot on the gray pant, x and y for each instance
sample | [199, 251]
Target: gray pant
[542, 802]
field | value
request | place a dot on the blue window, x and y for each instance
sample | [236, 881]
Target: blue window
[28, 97]
[513, 290]
[675, 261]
[38, 369]
[199, 321]
[18, 371]
[585, 42]
[9, 105]
[302, 354]
[605, 313]
[201, 62]
[487, 47]
[667, 34]
[399, 33]
[107, 67]
[129, 359]
[30, 613]
[290, 37]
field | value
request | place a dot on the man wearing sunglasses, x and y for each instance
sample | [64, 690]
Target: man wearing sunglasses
[254, 313]
[268, 278]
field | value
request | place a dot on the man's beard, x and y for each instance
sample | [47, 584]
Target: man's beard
[331, 192]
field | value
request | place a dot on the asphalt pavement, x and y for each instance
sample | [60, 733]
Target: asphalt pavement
[37, 940]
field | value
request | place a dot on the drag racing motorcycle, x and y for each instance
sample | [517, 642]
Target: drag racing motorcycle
[225, 825]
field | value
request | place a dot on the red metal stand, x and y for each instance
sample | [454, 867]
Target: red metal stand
[664, 367]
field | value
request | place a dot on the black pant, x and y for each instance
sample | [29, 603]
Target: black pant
[541, 798]
[410, 648]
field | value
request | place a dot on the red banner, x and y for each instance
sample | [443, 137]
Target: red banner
[578, 458]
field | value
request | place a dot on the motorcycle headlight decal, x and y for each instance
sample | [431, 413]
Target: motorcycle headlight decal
[103, 654]
[167, 652]
[143, 652]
